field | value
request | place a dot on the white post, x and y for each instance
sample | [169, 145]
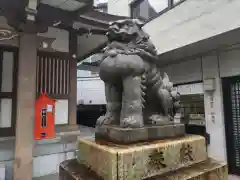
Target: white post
[213, 104]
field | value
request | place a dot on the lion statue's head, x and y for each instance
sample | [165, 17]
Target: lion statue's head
[129, 31]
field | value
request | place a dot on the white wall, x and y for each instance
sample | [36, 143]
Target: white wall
[49, 164]
[95, 2]
[61, 112]
[119, 7]
[90, 90]
[187, 71]
[193, 21]
[181, 25]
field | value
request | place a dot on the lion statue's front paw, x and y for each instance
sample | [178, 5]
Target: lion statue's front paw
[158, 119]
[106, 120]
[132, 122]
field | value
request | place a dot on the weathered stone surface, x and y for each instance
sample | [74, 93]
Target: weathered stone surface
[72, 170]
[142, 160]
[120, 135]
[136, 93]
[99, 158]
[207, 170]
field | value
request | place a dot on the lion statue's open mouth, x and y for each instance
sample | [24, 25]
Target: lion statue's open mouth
[127, 35]
[125, 30]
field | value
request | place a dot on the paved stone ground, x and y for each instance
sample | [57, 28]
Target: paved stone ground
[65, 141]
[55, 177]
[231, 177]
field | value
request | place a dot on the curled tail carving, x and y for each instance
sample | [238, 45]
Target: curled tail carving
[143, 88]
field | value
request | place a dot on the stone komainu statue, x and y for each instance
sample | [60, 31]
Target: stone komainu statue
[136, 94]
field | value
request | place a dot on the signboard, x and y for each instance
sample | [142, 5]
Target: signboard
[196, 88]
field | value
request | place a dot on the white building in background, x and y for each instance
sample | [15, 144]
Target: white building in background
[198, 43]
[101, 5]
[90, 88]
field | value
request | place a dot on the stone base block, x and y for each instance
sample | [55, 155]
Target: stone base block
[132, 135]
[207, 170]
[143, 160]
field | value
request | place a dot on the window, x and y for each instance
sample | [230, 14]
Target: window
[7, 66]
[148, 9]
[8, 76]
[102, 7]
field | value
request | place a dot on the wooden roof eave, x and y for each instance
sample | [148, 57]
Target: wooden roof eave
[97, 20]
[98, 23]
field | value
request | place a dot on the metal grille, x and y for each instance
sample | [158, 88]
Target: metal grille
[235, 98]
[231, 102]
[53, 74]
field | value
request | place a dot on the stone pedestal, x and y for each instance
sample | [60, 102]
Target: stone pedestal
[207, 170]
[120, 135]
[142, 160]
[183, 158]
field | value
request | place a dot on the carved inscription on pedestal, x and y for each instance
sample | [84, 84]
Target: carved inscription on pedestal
[186, 153]
[156, 159]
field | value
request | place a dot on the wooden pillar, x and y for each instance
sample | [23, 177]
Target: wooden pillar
[72, 104]
[26, 95]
